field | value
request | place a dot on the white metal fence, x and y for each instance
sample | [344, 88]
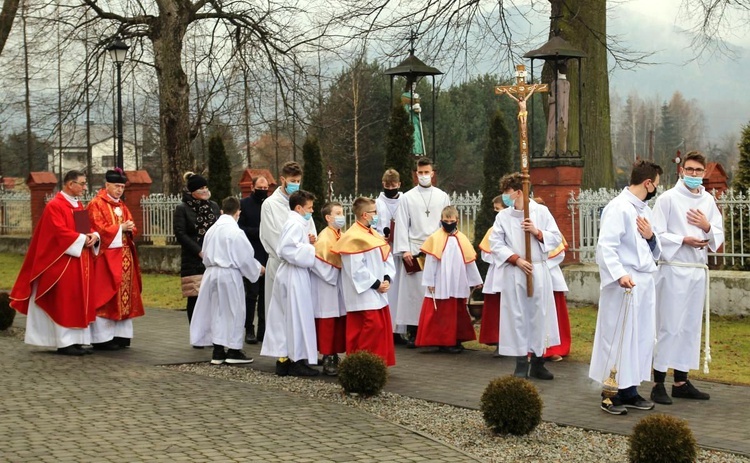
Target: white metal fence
[586, 210]
[14, 213]
[158, 209]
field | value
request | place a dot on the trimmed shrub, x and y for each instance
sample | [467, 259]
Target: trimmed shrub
[511, 405]
[7, 313]
[662, 438]
[363, 373]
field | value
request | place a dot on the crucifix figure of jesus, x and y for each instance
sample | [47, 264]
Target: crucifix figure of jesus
[521, 92]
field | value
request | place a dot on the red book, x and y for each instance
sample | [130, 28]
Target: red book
[83, 224]
[417, 264]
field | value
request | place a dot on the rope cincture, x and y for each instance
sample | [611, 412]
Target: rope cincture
[707, 305]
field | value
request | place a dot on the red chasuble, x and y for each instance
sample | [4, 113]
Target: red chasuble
[117, 276]
[63, 289]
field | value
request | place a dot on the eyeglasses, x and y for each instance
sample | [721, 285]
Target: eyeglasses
[80, 183]
[371, 212]
[694, 170]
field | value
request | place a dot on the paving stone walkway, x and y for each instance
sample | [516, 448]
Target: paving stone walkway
[173, 416]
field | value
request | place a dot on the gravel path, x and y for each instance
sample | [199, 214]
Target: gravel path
[459, 427]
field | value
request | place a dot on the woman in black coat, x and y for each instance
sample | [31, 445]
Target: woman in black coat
[192, 218]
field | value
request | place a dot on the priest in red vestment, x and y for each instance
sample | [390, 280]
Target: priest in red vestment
[117, 276]
[53, 287]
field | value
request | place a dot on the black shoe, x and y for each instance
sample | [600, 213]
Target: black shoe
[398, 339]
[122, 342]
[538, 370]
[329, 366]
[236, 357]
[410, 344]
[251, 339]
[219, 356]
[88, 350]
[109, 345]
[300, 368]
[637, 402]
[522, 367]
[197, 347]
[612, 408]
[659, 394]
[282, 368]
[688, 391]
[73, 350]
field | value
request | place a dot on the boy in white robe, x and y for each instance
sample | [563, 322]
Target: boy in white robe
[290, 324]
[450, 272]
[626, 254]
[330, 312]
[524, 327]
[387, 205]
[489, 328]
[688, 224]
[219, 315]
[273, 215]
[367, 267]
[418, 217]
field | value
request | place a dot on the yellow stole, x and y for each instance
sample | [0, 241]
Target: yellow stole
[324, 245]
[359, 239]
[485, 244]
[435, 244]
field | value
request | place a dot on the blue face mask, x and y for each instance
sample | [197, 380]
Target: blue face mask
[291, 188]
[339, 221]
[692, 182]
[507, 200]
[308, 215]
[374, 220]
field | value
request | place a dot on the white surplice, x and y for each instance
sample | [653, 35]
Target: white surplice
[681, 291]
[450, 276]
[290, 318]
[219, 316]
[273, 214]
[620, 251]
[360, 271]
[387, 209]
[417, 218]
[327, 292]
[526, 323]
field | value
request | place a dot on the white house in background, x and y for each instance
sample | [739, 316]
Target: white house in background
[103, 148]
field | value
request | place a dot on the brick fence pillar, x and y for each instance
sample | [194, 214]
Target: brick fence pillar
[553, 180]
[138, 186]
[40, 185]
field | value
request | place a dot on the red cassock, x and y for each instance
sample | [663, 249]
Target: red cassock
[117, 275]
[489, 330]
[563, 322]
[63, 281]
[447, 326]
[370, 330]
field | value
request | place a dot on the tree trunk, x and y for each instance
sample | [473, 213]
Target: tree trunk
[7, 15]
[167, 35]
[584, 24]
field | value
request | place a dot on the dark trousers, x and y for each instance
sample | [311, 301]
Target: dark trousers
[255, 294]
[191, 307]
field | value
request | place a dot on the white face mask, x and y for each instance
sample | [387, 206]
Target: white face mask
[339, 221]
[425, 180]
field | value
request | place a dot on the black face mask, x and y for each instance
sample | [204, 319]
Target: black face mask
[390, 193]
[449, 227]
[650, 194]
[260, 195]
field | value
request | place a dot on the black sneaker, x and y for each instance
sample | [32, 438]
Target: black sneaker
[73, 350]
[637, 402]
[251, 339]
[237, 357]
[613, 408]
[300, 368]
[282, 368]
[219, 356]
[122, 342]
[688, 391]
[329, 366]
[659, 394]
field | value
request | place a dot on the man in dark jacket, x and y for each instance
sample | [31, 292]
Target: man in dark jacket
[249, 222]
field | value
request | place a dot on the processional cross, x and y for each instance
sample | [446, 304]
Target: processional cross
[521, 92]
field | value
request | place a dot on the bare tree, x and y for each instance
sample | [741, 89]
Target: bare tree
[7, 17]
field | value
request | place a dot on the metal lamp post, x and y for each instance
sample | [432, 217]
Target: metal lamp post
[117, 51]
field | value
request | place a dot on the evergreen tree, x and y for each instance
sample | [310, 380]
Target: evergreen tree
[398, 146]
[497, 162]
[312, 180]
[219, 171]
[733, 215]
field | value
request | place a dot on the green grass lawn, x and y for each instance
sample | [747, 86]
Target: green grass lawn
[730, 337]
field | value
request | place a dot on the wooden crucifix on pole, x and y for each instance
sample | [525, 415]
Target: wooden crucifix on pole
[521, 92]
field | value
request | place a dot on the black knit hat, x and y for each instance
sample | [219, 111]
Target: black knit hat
[115, 176]
[196, 182]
